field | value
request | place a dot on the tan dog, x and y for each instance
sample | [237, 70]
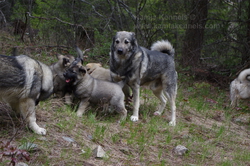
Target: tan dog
[97, 71]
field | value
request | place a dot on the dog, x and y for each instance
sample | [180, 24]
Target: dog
[153, 68]
[240, 87]
[61, 89]
[25, 82]
[97, 71]
[92, 90]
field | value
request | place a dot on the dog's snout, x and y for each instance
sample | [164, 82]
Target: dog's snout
[64, 74]
[120, 51]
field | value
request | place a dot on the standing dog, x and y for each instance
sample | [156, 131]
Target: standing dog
[25, 82]
[153, 68]
[240, 87]
[91, 90]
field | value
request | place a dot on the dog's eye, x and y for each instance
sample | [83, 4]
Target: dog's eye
[88, 69]
[126, 41]
[117, 42]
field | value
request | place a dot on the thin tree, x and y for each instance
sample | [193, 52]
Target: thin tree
[194, 35]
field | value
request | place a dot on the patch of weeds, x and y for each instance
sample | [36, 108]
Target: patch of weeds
[220, 132]
[87, 153]
[115, 138]
[14, 153]
[242, 156]
[98, 134]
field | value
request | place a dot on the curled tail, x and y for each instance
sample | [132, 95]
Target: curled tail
[244, 75]
[163, 46]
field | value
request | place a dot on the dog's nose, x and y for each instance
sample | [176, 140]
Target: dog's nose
[120, 51]
[64, 74]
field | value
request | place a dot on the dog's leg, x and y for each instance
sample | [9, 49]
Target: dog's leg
[123, 114]
[173, 110]
[234, 94]
[68, 99]
[170, 93]
[162, 98]
[136, 101]
[27, 109]
[82, 107]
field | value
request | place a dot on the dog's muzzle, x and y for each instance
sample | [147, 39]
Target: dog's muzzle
[120, 51]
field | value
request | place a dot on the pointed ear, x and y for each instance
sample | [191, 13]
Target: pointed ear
[65, 62]
[133, 39]
[59, 56]
[82, 70]
[79, 53]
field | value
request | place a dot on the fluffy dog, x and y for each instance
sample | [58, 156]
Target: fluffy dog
[240, 87]
[153, 68]
[25, 82]
[97, 71]
[91, 90]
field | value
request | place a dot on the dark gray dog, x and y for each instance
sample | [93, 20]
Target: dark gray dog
[92, 90]
[23, 83]
[60, 87]
[153, 68]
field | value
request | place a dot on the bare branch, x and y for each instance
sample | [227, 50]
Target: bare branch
[68, 23]
[93, 7]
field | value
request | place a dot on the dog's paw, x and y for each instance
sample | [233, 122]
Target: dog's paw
[172, 123]
[40, 131]
[157, 113]
[78, 114]
[134, 118]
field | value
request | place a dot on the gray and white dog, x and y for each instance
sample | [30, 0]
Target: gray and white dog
[153, 68]
[23, 83]
[240, 87]
[91, 90]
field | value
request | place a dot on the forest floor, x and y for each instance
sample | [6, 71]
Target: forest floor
[213, 133]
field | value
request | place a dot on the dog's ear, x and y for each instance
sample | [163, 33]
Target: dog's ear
[59, 56]
[65, 62]
[79, 53]
[133, 39]
[82, 70]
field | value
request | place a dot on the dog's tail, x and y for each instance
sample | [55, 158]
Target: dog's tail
[163, 46]
[244, 75]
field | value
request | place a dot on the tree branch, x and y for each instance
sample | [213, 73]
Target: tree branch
[68, 23]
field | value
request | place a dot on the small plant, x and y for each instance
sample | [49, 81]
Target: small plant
[15, 153]
[99, 133]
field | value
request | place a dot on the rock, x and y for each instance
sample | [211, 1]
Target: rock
[68, 139]
[180, 150]
[99, 152]
[21, 164]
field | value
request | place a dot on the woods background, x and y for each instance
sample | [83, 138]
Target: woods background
[211, 37]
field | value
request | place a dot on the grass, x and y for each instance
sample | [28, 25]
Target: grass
[213, 133]
[204, 126]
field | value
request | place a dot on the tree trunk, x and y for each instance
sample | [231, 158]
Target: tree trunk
[193, 40]
[245, 56]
